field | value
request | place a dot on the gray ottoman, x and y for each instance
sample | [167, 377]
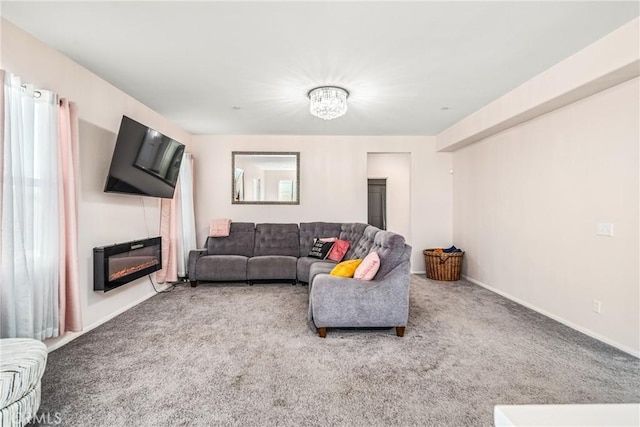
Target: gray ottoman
[22, 363]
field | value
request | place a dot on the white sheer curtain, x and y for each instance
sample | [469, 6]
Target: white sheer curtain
[177, 225]
[30, 247]
[186, 215]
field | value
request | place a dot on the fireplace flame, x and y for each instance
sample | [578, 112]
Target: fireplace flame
[132, 269]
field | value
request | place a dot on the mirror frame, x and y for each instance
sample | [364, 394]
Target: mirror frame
[264, 153]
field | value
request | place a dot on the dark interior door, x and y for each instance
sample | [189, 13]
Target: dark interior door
[377, 203]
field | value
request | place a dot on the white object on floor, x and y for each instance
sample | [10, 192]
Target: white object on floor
[22, 364]
[601, 415]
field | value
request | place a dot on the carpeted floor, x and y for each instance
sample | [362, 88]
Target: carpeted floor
[230, 354]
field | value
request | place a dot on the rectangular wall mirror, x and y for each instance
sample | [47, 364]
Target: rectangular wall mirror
[265, 178]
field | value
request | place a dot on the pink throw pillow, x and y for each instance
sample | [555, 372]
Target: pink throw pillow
[338, 251]
[325, 239]
[369, 267]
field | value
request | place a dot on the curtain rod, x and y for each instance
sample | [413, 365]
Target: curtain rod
[36, 93]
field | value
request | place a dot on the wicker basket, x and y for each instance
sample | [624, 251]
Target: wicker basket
[443, 266]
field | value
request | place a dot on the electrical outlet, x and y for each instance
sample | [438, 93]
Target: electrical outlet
[597, 306]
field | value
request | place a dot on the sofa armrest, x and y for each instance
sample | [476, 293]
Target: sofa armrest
[193, 258]
[343, 302]
[321, 267]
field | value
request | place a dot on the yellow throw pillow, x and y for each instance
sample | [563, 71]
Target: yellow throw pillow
[346, 268]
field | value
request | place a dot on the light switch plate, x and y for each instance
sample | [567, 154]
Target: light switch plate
[604, 229]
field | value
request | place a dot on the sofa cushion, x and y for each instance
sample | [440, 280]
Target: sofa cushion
[304, 266]
[390, 247]
[364, 245]
[346, 268]
[277, 239]
[322, 267]
[272, 267]
[239, 241]
[369, 267]
[311, 230]
[352, 233]
[221, 268]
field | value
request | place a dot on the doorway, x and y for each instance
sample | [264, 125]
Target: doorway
[377, 203]
[391, 207]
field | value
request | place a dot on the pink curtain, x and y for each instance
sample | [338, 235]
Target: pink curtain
[169, 234]
[177, 226]
[69, 293]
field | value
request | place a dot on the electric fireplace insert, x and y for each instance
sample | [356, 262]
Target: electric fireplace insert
[119, 264]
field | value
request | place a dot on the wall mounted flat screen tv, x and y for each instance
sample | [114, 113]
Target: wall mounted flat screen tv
[145, 162]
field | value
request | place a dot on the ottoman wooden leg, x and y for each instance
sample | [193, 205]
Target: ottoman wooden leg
[322, 332]
[400, 331]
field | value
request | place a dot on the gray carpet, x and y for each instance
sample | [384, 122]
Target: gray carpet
[230, 354]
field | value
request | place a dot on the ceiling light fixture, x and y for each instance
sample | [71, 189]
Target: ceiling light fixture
[328, 102]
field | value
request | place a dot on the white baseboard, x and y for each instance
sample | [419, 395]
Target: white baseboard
[58, 342]
[419, 272]
[562, 320]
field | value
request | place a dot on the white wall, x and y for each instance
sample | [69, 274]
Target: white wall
[396, 168]
[103, 218]
[333, 183]
[526, 203]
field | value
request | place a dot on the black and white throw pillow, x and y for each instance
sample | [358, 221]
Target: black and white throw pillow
[320, 249]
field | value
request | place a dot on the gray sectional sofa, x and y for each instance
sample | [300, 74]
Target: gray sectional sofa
[278, 252]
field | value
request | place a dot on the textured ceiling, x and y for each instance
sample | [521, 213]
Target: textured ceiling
[246, 67]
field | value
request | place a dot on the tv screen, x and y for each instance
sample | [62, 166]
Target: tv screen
[144, 162]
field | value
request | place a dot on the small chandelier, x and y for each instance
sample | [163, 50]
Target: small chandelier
[328, 102]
